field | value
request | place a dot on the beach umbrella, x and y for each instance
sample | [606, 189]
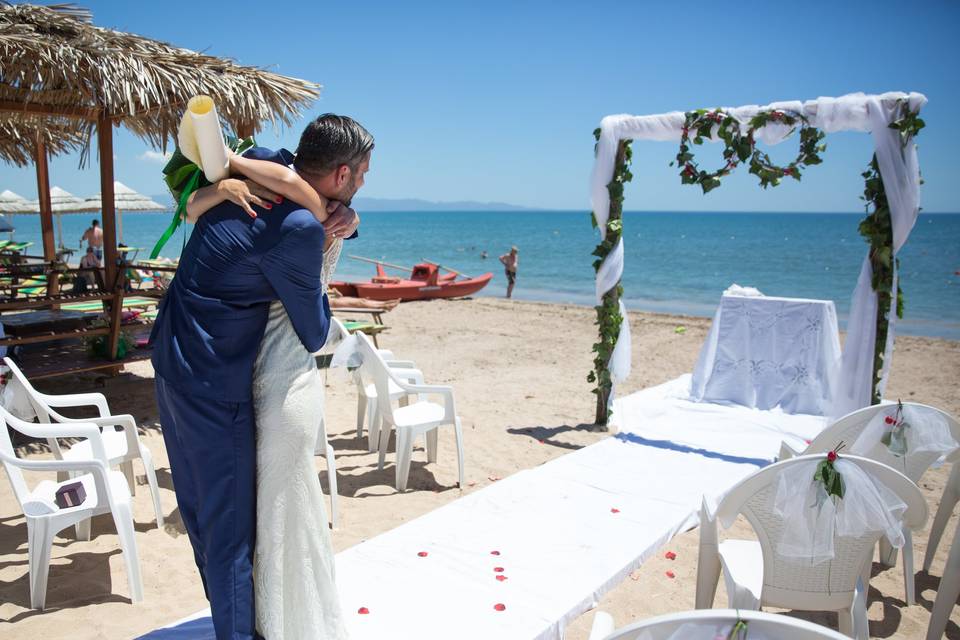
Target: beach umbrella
[11, 202]
[61, 202]
[126, 199]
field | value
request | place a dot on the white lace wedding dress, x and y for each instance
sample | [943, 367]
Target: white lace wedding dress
[295, 590]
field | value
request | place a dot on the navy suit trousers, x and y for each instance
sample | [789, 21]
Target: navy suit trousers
[212, 449]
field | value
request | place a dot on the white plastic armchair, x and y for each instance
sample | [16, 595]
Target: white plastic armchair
[692, 625]
[947, 592]
[106, 492]
[323, 447]
[847, 429]
[367, 392]
[119, 432]
[949, 499]
[757, 575]
[422, 417]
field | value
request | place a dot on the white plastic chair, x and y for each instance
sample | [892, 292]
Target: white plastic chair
[120, 438]
[422, 417]
[760, 626]
[106, 492]
[847, 429]
[324, 448]
[947, 593]
[367, 392]
[949, 499]
[757, 575]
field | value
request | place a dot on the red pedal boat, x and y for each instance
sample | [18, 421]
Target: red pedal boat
[425, 283]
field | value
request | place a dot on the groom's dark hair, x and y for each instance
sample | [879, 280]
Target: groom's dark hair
[331, 141]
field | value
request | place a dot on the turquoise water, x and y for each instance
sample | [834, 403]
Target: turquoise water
[675, 262]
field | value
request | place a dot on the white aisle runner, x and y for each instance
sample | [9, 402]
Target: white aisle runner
[560, 535]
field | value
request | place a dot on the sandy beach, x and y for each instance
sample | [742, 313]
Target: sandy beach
[519, 373]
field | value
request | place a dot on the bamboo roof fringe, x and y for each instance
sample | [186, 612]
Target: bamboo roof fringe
[18, 136]
[54, 61]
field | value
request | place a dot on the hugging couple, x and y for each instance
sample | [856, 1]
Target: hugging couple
[239, 394]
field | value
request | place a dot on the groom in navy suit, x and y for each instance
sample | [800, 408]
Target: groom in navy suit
[206, 339]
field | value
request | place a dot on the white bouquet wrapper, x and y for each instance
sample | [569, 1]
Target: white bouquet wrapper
[928, 433]
[200, 138]
[812, 519]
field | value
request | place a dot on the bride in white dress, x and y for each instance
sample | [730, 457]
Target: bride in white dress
[294, 584]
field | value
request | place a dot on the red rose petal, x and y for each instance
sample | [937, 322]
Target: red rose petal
[422, 554]
[614, 510]
[498, 569]
[494, 553]
[363, 611]
[500, 607]
[670, 555]
[501, 577]
[671, 574]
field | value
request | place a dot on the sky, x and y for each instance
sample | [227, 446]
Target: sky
[497, 101]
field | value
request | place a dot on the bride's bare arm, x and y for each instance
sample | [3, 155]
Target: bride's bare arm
[283, 181]
[243, 193]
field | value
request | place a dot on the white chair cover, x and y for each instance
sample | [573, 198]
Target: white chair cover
[928, 432]
[812, 519]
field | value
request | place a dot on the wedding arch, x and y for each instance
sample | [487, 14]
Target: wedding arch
[891, 191]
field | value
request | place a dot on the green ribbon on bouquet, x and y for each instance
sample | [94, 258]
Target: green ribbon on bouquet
[183, 177]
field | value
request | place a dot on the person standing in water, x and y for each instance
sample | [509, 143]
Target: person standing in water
[510, 263]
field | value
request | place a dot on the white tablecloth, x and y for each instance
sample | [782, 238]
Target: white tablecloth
[765, 352]
[564, 533]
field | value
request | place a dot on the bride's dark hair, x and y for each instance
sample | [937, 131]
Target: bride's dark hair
[331, 141]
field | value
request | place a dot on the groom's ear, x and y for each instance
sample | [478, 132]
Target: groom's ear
[342, 175]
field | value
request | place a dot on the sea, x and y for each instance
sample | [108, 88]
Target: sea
[676, 262]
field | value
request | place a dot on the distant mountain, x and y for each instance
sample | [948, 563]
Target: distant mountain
[405, 204]
[413, 204]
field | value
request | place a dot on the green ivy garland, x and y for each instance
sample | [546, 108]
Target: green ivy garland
[739, 148]
[608, 311]
[877, 229]
[810, 147]
[702, 122]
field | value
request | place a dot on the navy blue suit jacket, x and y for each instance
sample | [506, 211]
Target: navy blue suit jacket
[211, 321]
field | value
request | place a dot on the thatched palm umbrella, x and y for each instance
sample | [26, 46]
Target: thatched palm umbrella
[55, 63]
[19, 133]
[125, 199]
[11, 202]
[61, 202]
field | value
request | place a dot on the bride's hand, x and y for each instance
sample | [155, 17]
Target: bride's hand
[245, 193]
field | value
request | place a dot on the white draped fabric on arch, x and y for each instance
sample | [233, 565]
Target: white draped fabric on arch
[899, 169]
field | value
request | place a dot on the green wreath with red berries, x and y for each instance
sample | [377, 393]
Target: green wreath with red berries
[739, 148]
[810, 147]
[707, 124]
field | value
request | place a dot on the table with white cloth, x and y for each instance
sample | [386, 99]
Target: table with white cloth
[767, 352]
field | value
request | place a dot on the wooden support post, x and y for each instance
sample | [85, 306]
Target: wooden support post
[611, 297]
[114, 279]
[244, 130]
[46, 216]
